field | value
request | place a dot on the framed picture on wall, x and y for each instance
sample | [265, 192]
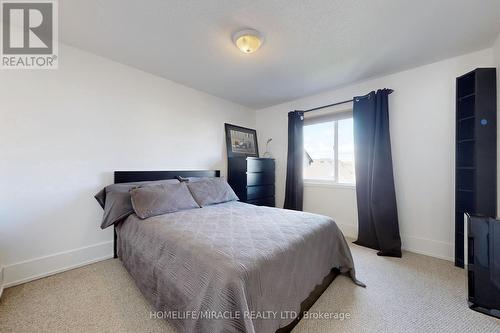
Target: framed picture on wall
[241, 141]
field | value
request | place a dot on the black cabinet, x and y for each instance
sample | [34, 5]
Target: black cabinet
[476, 150]
[252, 179]
[484, 264]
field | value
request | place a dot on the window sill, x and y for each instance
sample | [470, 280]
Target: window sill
[329, 184]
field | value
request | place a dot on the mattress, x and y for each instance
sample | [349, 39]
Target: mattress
[231, 267]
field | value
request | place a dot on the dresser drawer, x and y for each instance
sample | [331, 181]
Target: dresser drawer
[260, 165]
[263, 202]
[260, 178]
[259, 191]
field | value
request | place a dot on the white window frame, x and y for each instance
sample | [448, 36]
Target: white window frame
[323, 118]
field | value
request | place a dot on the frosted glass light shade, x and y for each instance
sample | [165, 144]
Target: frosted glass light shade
[248, 41]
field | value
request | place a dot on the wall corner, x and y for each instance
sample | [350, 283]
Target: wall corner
[496, 57]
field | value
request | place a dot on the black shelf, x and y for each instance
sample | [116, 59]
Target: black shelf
[466, 140]
[466, 106]
[467, 118]
[476, 161]
[466, 96]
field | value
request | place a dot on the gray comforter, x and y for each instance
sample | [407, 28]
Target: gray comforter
[231, 267]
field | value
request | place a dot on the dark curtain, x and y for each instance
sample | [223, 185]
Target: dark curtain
[376, 197]
[294, 184]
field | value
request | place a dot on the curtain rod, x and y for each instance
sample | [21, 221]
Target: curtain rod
[334, 104]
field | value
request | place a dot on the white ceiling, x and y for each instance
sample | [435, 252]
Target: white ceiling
[310, 46]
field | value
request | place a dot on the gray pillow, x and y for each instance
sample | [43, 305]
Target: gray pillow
[160, 199]
[116, 202]
[211, 191]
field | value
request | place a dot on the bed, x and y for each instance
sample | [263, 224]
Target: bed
[230, 267]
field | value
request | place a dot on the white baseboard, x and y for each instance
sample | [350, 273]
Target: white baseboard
[349, 230]
[37, 268]
[428, 247]
[1, 281]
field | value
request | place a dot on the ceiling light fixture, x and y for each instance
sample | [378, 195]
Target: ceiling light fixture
[248, 40]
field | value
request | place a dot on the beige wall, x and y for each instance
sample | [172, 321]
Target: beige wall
[422, 113]
[63, 133]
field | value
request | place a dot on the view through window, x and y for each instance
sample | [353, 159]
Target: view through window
[329, 151]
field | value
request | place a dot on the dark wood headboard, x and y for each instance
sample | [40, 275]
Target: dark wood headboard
[141, 176]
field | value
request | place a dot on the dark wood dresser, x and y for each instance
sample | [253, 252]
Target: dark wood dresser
[252, 179]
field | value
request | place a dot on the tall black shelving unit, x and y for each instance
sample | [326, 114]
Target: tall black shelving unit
[476, 150]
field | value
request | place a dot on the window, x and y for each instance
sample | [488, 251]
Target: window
[329, 149]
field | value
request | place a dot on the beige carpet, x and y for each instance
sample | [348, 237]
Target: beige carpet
[413, 294]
